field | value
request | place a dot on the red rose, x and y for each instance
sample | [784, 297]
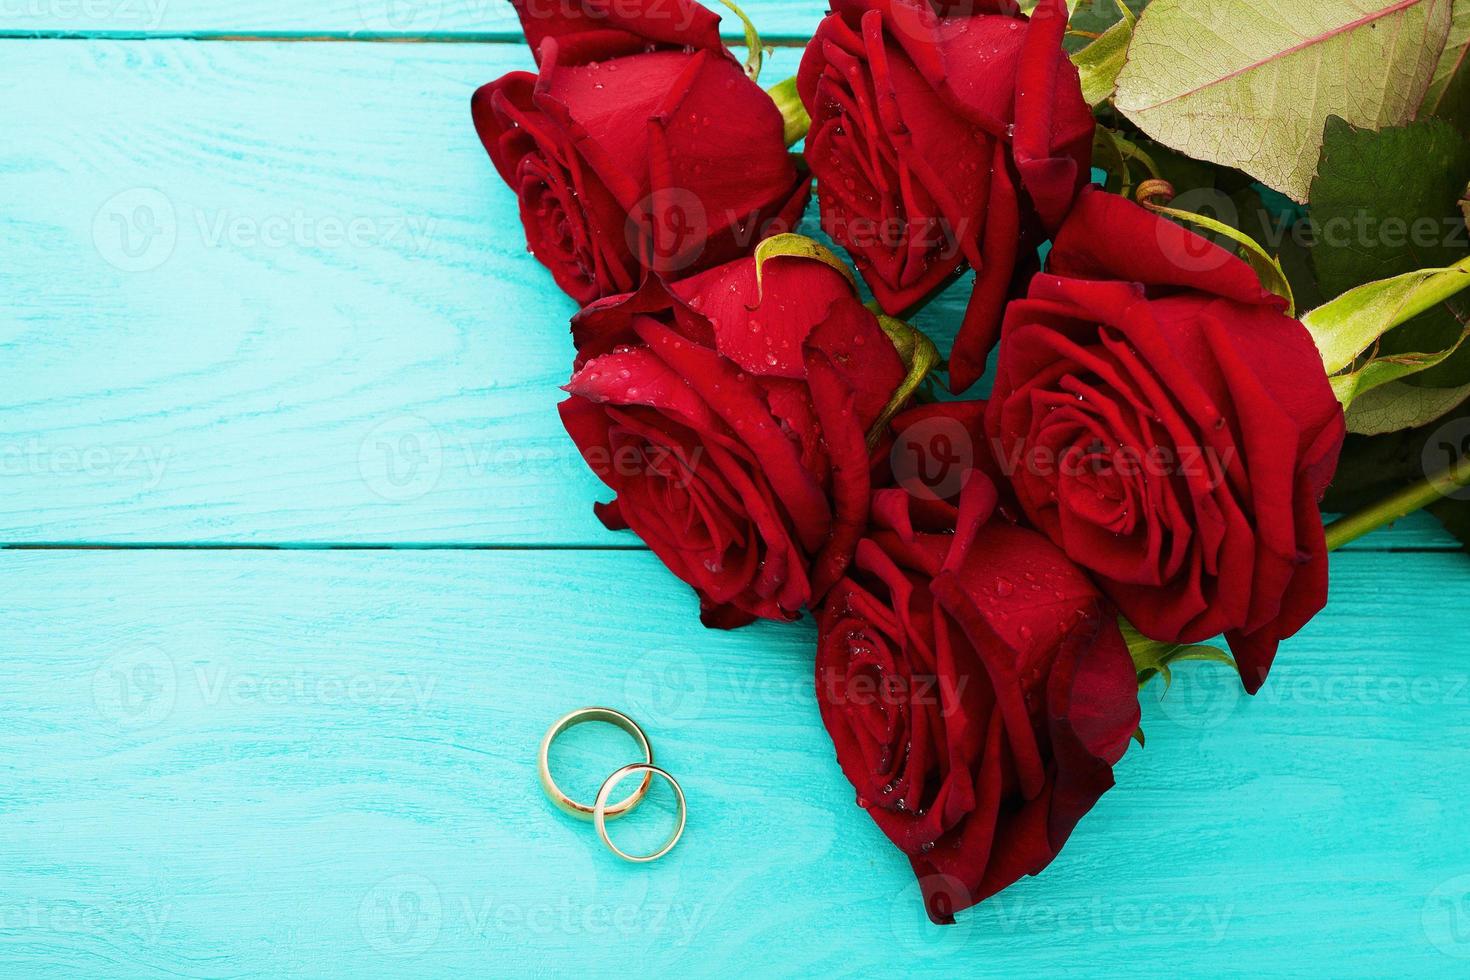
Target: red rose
[640, 145]
[731, 416]
[1171, 429]
[977, 689]
[941, 140]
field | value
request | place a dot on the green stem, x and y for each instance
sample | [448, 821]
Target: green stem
[793, 113]
[1399, 505]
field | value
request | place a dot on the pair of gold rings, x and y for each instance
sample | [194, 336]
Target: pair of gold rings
[602, 810]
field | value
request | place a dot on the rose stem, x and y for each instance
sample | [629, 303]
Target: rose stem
[1400, 504]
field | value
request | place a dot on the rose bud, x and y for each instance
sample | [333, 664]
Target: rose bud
[1171, 429]
[944, 140]
[729, 412]
[640, 145]
[977, 689]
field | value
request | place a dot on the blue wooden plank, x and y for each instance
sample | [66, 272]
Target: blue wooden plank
[321, 764]
[336, 334]
[485, 19]
[272, 292]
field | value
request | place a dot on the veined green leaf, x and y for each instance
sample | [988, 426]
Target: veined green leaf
[1099, 63]
[1385, 369]
[1152, 658]
[1394, 407]
[1348, 325]
[1250, 85]
[1448, 96]
[919, 356]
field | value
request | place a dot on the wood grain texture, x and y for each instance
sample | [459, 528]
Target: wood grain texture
[275, 293]
[487, 19]
[321, 764]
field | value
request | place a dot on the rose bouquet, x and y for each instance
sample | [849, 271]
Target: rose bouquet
[1195, 299]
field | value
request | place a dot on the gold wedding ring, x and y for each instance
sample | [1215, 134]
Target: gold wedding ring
[600, 810]
[604, 811]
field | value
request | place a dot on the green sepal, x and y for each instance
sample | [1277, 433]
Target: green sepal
[794, 119]
[915, 350]
[755, 51]
[1266, 266]
[1152, 658]
[919, 356]
[795, 246]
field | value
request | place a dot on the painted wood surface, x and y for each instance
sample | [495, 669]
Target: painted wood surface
[275, 293]
[272, 294]
[229, 765]
[456, 19]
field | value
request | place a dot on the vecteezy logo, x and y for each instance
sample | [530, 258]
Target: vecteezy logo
[912, 929]
[1197, 252]
[136, 231]
[400, 15]
[668, 230]
[1449, 444]
[401, 915]
[1200, 696]
[667, 687]
[401, 459]
[1447, 917]
[136, 688]
[932, 458]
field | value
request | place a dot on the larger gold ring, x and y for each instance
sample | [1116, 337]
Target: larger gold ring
[600, 811]
[564, 802]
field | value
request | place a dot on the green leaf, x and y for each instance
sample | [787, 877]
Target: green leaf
[1388, 369]
[1448, 96]
[1396, 406]
[1099, 63]
[755, 51]
[1385, 203]
[1250, 85]
[1152, 659]
[794, 119]
[1096, 16]
[1347, 326]
[919, 356]
[797, 247]
[1373, 466]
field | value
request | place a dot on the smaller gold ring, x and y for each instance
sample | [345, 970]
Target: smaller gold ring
[564, 802]
[600, 811]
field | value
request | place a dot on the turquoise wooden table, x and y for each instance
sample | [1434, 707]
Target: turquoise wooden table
[299, 565]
